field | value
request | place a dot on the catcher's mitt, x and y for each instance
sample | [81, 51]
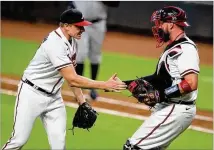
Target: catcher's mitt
[144, 92]
[84, 117]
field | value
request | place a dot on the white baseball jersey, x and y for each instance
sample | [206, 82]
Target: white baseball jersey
[54, 53]
[178, 60]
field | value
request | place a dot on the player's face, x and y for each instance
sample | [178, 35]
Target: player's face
[75, 31]
[164, 26]
[164, 31]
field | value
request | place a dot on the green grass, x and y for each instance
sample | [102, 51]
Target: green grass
[110, 132]
[16, 55]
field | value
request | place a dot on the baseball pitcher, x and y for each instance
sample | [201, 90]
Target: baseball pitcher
[91, 42]
[39, 92]
[172, 90]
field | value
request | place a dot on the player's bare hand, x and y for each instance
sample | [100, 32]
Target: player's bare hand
[114, 84]
[117, 79]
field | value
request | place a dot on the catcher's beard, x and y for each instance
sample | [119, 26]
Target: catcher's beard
[164, 36]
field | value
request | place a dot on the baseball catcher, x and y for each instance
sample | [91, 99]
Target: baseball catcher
[84, 117]
[172, 89]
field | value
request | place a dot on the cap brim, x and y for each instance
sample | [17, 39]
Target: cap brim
[83, 23]
[184, 24]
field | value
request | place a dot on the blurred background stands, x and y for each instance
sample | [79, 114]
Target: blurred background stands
[131, 17]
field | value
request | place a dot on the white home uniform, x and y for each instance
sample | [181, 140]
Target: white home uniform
[91, 42]
[170, 119]
[39, 93]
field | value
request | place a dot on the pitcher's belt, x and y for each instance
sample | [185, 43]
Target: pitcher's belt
[36, 87]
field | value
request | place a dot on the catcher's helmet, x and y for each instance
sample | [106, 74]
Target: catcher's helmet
[170, 14]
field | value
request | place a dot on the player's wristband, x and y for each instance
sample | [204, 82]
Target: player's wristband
[185, 86]
[172, 91]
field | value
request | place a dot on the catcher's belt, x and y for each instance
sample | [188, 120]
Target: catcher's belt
[183, 102]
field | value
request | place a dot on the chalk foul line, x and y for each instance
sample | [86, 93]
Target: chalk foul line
[106, 100]
[113, 112]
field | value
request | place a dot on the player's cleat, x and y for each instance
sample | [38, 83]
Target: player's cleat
[93, 94]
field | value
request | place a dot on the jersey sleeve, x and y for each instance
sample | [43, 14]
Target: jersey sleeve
[58, 56]
[188, 61]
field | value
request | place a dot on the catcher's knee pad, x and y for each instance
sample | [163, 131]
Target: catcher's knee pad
[129, 146]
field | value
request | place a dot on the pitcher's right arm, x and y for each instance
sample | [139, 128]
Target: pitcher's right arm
[76, 80]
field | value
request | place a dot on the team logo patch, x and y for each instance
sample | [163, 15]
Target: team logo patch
[73, 59]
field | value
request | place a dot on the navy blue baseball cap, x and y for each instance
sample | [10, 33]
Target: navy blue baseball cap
[74, 16]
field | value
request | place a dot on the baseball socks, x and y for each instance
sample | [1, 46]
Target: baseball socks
[94, 72]
[79, 69]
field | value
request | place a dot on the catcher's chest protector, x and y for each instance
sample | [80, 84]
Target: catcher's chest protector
[167, 67]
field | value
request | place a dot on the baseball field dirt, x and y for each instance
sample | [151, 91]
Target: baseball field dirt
[117, 42]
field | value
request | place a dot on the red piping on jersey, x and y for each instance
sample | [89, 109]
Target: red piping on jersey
[56, 84]
[62, 65]
[178, 47]
[60, 37]
[173, 51]
[58, 34]
[167, 66]
[14, 119]
[189, 71]
[157, 126]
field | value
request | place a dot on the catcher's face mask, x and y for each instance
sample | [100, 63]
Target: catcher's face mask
[169, 14]
[160, 35]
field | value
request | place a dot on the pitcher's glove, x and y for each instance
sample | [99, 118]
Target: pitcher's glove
[144, 92]
[84, 117]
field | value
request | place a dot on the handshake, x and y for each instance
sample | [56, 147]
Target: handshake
[114, 84]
